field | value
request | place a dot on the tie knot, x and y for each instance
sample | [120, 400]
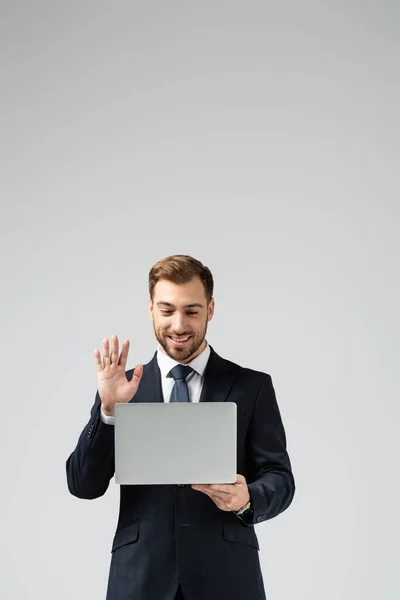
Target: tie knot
[181, 371]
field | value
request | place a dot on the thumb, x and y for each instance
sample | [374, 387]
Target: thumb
[240, 479]
[137, 376]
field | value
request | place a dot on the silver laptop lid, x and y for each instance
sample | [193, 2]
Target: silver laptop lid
[172, 443]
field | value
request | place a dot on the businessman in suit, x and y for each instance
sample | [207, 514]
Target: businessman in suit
[186, 542]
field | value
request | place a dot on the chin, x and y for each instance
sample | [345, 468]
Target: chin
[180, 354]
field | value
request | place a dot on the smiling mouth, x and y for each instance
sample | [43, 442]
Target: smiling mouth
[180, 341]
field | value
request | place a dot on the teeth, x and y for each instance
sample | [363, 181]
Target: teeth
[180, 339]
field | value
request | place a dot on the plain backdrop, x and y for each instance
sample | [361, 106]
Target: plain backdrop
[263, 139]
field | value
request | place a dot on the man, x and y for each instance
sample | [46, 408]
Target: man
[186, 542]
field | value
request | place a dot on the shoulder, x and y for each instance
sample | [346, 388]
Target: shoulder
[244, 373]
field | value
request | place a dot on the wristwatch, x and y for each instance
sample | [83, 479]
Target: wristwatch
[246, 508]
[245, 513]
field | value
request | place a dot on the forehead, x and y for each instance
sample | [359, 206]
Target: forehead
[180, 293]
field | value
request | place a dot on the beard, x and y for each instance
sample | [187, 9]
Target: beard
[181, 354]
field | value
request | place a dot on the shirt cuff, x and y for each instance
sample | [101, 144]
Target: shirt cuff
[108, 420]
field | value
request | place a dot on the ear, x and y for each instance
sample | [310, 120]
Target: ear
[151, 308]
[210, 309]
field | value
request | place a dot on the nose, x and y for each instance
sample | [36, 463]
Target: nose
[178, 323]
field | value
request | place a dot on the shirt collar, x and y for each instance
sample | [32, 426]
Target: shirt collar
[199, 363]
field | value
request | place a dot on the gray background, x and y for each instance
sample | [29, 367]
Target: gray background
[262, 138]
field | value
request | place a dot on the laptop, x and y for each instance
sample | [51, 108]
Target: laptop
[175, 443]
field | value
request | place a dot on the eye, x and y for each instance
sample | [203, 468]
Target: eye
[192, 313]
[166, 312]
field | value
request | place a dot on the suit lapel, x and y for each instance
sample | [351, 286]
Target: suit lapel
[218, 379]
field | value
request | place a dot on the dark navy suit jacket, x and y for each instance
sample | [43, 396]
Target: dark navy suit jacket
[168, 533]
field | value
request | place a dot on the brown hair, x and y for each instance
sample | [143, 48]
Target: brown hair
[181, 268]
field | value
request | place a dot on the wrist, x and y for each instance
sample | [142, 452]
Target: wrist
[106, 411]
[245, 504]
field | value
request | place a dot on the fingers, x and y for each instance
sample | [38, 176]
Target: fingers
[114, 349]
[208, 492]
[213, 491]
[106, 353]
[223, 503]
[124, 353]
[240, 479]
[217, 497]
[97, 358]
[226, 488]
[113, 358]
[223, 494]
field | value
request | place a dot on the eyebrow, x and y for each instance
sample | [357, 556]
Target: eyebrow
[194, 305]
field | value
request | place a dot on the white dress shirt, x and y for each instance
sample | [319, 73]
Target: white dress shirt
[166, 363]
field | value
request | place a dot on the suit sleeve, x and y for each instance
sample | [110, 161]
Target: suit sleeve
[272, 486]
[91, 465]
